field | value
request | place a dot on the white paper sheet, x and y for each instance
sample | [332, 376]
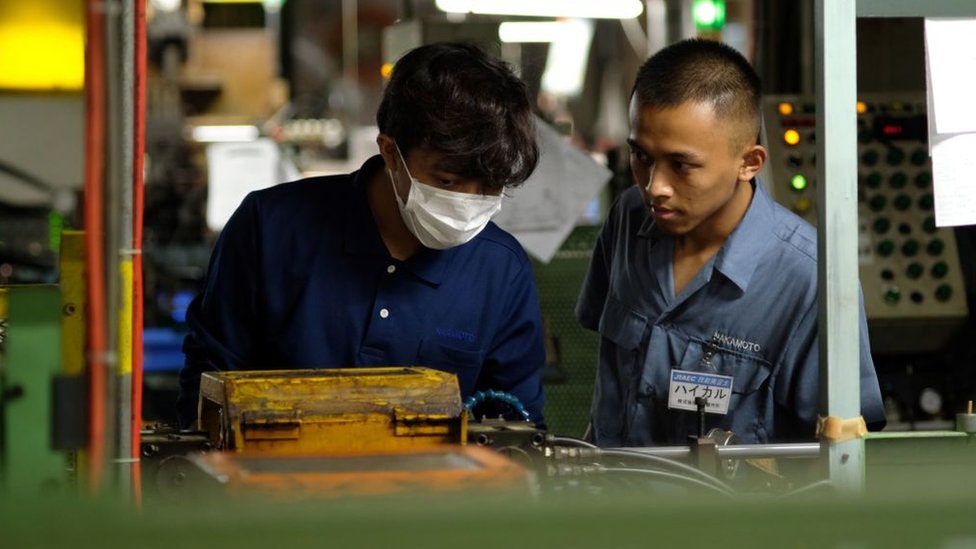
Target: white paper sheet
[950, 52]
[543, 211]
[953, 171]
[950, 72]
[235, 169]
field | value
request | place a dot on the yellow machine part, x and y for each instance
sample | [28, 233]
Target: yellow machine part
[331, 410]
[73, 302]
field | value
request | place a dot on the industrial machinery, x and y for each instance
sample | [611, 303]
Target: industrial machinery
[325, 433]
[910, 269]
[342, 409]
[300, 434]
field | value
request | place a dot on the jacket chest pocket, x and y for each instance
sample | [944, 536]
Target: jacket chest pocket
[621, 325]
[748, 372]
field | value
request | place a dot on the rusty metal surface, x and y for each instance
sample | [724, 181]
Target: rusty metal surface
[306, 411]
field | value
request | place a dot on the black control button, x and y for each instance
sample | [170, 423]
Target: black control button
[870, 158]
[902, 202]
[923, 180]
[917, 297]
[919, 157]
[929, 225]
[898, 180]
[926, 202]
[904, 228]
[874, 180]
[910, 247]
[881, 225]
[887, 274]
[894, 156]
[877, 202]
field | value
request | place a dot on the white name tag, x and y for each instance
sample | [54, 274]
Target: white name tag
[687, 386]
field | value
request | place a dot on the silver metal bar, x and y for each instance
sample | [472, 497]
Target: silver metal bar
[125, 191]
[734, 451]
[112, 203]
[758, 451]
[836, 92]
[670, 452]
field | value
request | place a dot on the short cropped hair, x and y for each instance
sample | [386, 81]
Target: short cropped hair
[465, 104]
[702, 70]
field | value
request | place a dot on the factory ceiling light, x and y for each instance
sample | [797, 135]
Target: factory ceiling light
[521, 31]
[588, 9]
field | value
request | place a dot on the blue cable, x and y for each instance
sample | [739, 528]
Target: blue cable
[491, 394]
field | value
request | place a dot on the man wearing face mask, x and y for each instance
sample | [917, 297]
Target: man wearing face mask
[397, 263]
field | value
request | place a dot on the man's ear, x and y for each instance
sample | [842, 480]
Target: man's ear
[388, 151]
[753, 159]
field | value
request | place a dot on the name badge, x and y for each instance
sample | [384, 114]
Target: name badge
[687, 386]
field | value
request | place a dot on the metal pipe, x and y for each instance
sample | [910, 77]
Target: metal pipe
[837, 262]
[95, 135]
[736, 451]
[124, 254]
[350, 41]
[111, 199]
[754, 451]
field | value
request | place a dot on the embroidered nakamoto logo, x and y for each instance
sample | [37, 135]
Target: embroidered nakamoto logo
[735, 343]
[452, 333]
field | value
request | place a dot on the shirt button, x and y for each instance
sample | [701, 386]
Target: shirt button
[391, 268]
[384, 313]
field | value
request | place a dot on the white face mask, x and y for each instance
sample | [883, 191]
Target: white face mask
[440, 218]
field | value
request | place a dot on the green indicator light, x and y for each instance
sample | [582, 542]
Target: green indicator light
[798, 182]
[55, 226]
[708, 14]
[892, 295]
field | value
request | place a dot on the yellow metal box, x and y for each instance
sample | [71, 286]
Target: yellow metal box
[330, 410]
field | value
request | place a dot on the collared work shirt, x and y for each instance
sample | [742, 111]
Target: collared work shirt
[300, 278]
[749, 313]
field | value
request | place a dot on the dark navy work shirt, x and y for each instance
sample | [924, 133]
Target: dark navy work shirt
[300, 278]
[749, 313]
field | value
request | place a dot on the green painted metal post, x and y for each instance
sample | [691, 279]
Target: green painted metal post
[32, 359]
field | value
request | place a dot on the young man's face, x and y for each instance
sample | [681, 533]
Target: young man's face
[686, 165]
[424, 165]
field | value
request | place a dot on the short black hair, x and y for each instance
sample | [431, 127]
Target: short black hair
[456, 99]
[703, 70]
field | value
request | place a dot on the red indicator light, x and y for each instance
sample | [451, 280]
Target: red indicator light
[892, 129]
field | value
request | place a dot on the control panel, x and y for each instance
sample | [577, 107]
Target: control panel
[910, 270]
